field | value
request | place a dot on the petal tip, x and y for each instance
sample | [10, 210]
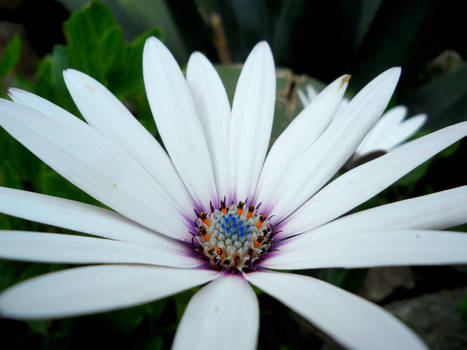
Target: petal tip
[152, 43]
[196, 57]
[346, 78]
[263, 48]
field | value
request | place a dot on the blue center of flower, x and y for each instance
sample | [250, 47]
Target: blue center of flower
[233, 238]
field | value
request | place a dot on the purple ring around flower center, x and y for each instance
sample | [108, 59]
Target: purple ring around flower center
[232, 238]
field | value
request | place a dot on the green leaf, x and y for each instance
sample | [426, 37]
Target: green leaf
[125, 320]
[444, 99]
[22, 165]
[358, 16]
[127, 74]
[39, 327]
[153, 343]
[411, 179]
[181, 301]
[229, 75]
[9, 177]
[10, 56]
[349, 279]
[392, 40]
[4, 222]
[155, 309]
[50, 84]
[139, 16]
[95, 41]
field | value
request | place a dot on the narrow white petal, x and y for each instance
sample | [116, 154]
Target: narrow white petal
[365, 181]
[388, 122]
[334, 147]
[373, 248]
[222, 315]
[44, 106]
[79, 217]
[103, 111]
[402, 132]
[251, 122]
[213, 107]
[311, 92]
[96, 165]
[91, 289]
[177, 121]
[340, 110]
[439, 210]
[61, 248]
[303, 98]
[299, 136]
[350, 320]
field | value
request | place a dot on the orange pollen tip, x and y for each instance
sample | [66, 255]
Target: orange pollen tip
[249, 215]
[240, 212]
[224, 210]
[257, 244]
[206, 237]
[220, 252]
[206, 222]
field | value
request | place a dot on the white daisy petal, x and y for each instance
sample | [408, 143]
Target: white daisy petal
[103, 111]
[222, 315]
[91, 289]
[387, 124]
[439, 210]
[303, 98]
[333, 148]
[350, 320]
[78, 216]
[311, 92]
[47, 108]
[299, 136]
[251, 121]
[94, 164]
[177, 121]
[62, 248]
[403, 131]
[363, 182]
[373, 248]
[213, 107]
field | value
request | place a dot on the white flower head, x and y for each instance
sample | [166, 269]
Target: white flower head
[390, 131]
[216, 209]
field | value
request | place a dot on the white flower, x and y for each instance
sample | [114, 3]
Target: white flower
[146, 251]
[390, 131]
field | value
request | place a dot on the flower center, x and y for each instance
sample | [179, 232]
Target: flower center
[233, 238]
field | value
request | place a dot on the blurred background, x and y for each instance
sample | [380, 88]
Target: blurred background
[313, 42]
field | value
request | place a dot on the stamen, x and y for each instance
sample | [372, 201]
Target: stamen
[240, 208]
[203, 216]
[223, 208]
[231, 238]
[251, 209]
[204, 233]
[261, 220]
[220, 252]
[258, 241]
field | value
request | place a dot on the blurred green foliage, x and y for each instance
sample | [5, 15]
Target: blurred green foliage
[11, 56]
